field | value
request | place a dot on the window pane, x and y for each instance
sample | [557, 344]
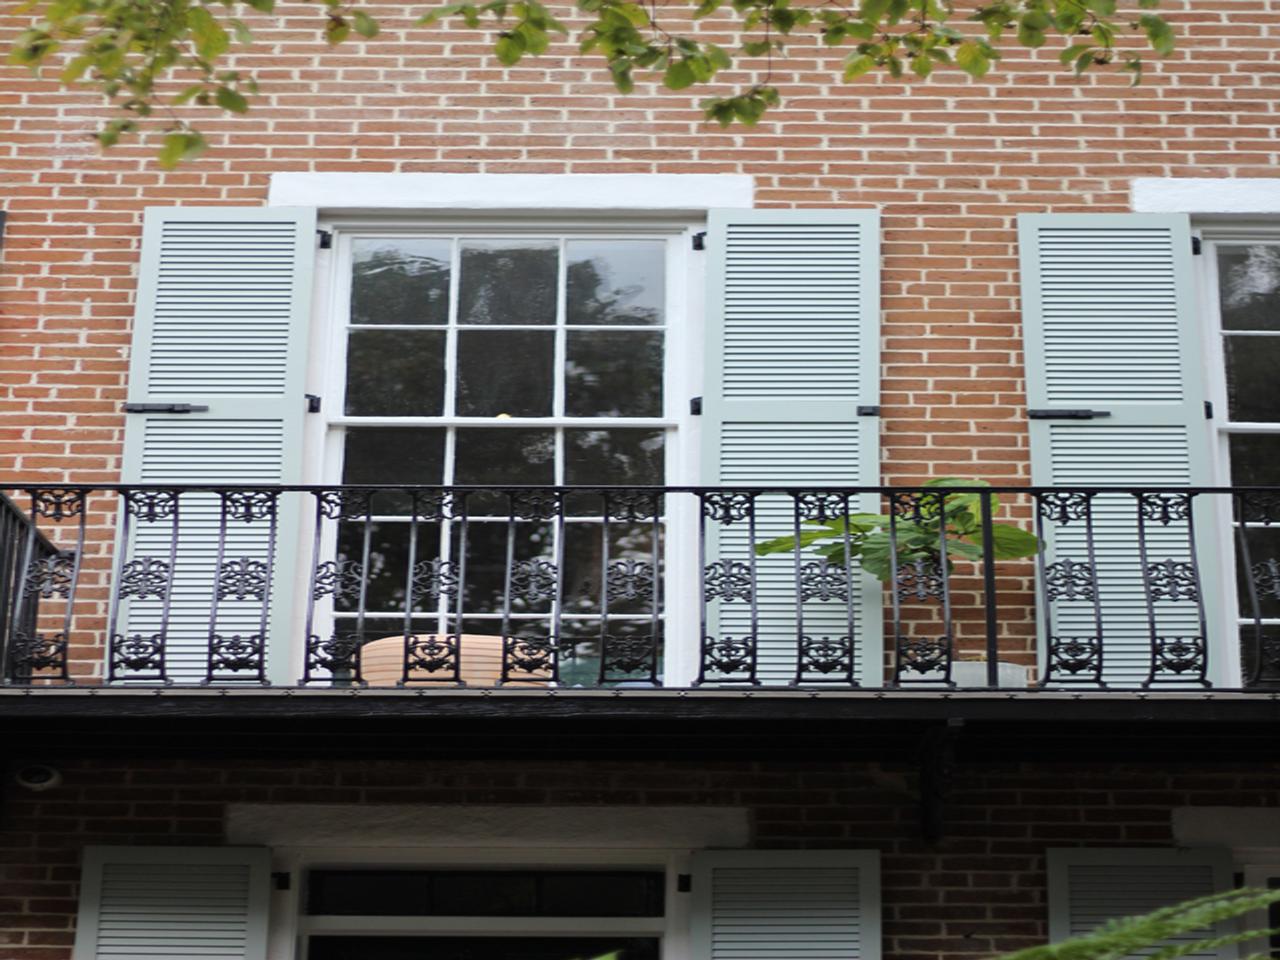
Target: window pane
[615, 281]
[1253, 365]
[1255, 459]
[1249, 287]
[613, 373]
[632, 583]
[395, 373]
[1264, 560]
[504, 455]
[393, 455]
[623, 457]
[505, 372]
[387, 571]
[493, 893]
[508, 281]
[485, 584]
[400, 281]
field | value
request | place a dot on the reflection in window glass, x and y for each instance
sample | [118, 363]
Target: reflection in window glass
[1253, 367]
[1249, 287]
[400, 280]
[524, 388]
[614, 457]
[615, 281]
[395, 373]
[508, 281]
[613, 373]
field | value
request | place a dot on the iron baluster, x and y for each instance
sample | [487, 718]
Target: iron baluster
[508, 649]
[461, 511]
[1066, 581]
[989, 599]
[1253, 674]
[947, 639]
[603, 673]
[796, 580]
[409, 591]
[315, 651]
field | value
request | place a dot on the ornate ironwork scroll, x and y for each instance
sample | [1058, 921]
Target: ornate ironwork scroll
[1069, 589]
[1176, 657]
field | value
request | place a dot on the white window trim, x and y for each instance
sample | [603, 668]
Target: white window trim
[1211, 233]
[595, 192]
[683, 370]
[290, 926]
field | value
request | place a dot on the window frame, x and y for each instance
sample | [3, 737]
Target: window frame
[1211, 237]
[683, 374]
[291, 927]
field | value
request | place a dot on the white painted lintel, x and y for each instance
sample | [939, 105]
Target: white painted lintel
[601, 192]
[1247, 196]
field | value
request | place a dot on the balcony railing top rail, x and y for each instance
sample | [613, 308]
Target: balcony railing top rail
[928, 587]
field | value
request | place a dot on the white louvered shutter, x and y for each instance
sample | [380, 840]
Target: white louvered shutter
[786, 905]
[1088, 887]
[173, 903]
[793, 337]
[222, 321]
[1110, 326]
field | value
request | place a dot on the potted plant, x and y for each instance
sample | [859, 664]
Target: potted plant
[870, 538]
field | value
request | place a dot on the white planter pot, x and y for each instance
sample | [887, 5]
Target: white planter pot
[967, 674]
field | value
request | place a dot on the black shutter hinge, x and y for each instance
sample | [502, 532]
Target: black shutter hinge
[684, 882]
[695, 406]
[164, 408]
[282, 880]
[1067, 414]
[326, 239]
[313, 403]
[868, 411]
[1196, 248]
[1208, 409]
[700, 240]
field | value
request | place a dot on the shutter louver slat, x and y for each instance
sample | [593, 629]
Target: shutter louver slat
[173, 903]
[786, 905]
[1088, 887]
[1109, 325]
[223, 312]
[792, 351]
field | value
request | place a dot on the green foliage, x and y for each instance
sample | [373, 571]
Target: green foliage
[867, 537]
[125, 48]
[1166, 934]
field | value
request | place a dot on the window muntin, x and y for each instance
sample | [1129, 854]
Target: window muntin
[492, 360]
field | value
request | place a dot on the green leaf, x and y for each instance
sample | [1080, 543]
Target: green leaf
[679, 75]
[1070, 54]
[1103, 8]
[972, 59]
[1159, 33]
[1009, 542]
[178, 146]
[509, 49]
[336, 29]
[230, 100]
[365, 25]
[857, 64]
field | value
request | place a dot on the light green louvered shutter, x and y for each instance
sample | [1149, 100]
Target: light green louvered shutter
[222, 319]
[793, 336]
[173, 903]
[786, 905]
[1088, 887]
[1110, 328]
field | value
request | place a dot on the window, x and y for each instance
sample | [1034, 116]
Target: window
[472, 914]
[1245, 360]
[505, 357]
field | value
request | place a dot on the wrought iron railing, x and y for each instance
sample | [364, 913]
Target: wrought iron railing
[928, 588]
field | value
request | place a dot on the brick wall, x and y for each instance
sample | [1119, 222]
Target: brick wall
[979, 892]
[949, 160]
